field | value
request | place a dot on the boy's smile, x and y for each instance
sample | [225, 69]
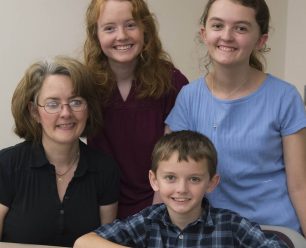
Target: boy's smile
[182, 186]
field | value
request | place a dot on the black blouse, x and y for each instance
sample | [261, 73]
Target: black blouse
[28, 188]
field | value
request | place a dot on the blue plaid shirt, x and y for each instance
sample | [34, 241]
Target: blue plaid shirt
[218, 228]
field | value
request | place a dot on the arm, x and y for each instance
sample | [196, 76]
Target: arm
[295, 160]
[3, 212]
[249, 234]
[108, 213]
[92, 240]
[167, 130]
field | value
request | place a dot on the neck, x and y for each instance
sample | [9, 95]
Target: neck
[228, 79]
[230, 84]
[123, 72]
[61, 155]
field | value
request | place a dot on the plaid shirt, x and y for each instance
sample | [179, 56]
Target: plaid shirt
[218, 228]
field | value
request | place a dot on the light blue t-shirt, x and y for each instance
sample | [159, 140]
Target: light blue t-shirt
[247, 133]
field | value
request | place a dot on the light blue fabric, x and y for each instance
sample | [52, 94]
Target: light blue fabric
[247, 133]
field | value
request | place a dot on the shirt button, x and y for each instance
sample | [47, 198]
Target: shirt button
[62, 211]
[181, 236]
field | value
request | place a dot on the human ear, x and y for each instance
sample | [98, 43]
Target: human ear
[214, 181]
[262, 41]
[153, 181]
[203, 34]
[33, 111]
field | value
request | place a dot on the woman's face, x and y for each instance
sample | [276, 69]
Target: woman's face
[121, 37]
[65, 126]
[231, 33]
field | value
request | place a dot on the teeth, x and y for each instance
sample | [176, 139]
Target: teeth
[125, 47]
[66, 125]
[180, 199]
[226, 49]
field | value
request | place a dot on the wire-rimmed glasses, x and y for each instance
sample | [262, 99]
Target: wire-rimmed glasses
[54, 107]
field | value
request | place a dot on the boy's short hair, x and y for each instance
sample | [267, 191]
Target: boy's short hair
[188, 145]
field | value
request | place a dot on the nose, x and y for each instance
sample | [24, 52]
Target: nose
[226, 34]
[182, 186]
[121, 35]
[65, 109]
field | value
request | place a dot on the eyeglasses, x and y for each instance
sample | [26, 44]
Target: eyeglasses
[54, 107]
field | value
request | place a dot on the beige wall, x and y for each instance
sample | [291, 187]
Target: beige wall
[34, 29]
[295, 53]
[179, 27]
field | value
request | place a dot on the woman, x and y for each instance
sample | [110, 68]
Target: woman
[138, 86]
[53, 187]
[256, 121]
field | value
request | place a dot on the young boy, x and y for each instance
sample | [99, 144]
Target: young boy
[183, 171]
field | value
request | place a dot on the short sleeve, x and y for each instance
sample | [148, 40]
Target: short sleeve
[292, 112]
[178, 119]
[6, 182]
[108, 182]
[178, 80]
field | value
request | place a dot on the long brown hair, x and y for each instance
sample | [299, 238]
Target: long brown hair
[262, 16]
[153, 71]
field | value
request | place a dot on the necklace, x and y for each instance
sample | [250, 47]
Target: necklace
[73, 163]
[231, 93]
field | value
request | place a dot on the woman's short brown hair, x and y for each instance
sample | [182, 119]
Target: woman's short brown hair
[29, 87]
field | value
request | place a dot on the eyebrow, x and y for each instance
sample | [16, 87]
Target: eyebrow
[236, 22]
[114, 23]
[55, 98]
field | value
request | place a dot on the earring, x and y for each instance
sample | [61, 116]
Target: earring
[142, 57]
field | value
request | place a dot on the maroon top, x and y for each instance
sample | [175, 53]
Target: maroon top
[131, 128]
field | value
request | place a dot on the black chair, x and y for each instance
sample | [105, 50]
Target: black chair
[291, 237]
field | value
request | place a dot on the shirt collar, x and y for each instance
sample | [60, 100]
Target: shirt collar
[205, 219]
[38, 159]
[85, 163]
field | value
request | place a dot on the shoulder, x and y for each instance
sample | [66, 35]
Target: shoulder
[224, 219]
[144, 218]
[97, 160]
[283, 96]
[227, 220]
[276, 85]
[195, 84]
[19, 150]
[194, 88]
[178, 79]
[225, 216]
[17, 157]
[153, 212]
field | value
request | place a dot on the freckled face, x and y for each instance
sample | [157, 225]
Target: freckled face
[231, 33]
[121, 37]
[66, 126]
